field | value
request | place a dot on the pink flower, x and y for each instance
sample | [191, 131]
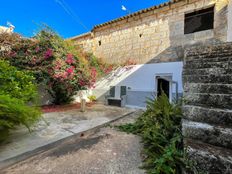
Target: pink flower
[58, 65]
[48, 53]
[70, 70]
[93, 73]
[108, 70]
[64, 75]
[69, 59]
[37, 49]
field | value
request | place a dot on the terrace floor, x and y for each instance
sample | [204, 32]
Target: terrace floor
[56, 127]
[106, 151]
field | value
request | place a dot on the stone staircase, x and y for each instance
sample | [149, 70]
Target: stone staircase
[207, 123]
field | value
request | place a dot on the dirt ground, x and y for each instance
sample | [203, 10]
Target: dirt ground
[107, 151]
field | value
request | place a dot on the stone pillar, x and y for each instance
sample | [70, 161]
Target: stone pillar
[229, 16]
[207, 123]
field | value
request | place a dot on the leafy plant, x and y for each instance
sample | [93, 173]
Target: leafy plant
[160, 129]
[14, 112]
[17, 90]
[17, 84]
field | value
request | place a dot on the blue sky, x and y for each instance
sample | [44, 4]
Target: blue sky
[67, 17]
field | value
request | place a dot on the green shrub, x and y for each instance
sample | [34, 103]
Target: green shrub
[14, 112]
[17, 90]
[17, 84]
[160, 129]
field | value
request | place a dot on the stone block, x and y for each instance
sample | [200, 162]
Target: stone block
[210, 134]
[208, 71]
[223, 79]
[210, 159]
[223, 101]
[208, 115]
[208, 88]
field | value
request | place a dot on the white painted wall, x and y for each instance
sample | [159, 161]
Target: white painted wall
[141, 77]
[229, 30]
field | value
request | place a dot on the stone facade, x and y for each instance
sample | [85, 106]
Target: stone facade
[155, 35]
[207, 124]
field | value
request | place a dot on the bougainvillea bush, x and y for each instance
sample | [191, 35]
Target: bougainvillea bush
[57, 63]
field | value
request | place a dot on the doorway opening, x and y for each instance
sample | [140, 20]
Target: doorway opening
[163, 83]
[163, 86]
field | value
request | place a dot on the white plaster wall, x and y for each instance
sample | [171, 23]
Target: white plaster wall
[229, 31]
[141, 77]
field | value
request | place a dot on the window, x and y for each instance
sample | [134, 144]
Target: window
[199, 20]
[99, 43]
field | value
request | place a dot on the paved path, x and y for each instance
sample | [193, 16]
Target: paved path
[106, 152]
[59, 126]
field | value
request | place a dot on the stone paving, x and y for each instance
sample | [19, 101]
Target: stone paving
[106, 151]
[57, 126]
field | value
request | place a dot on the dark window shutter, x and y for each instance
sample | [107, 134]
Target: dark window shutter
[123, 90]
[112, 91]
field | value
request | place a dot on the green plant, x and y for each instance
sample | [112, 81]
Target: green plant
[17, 84]
[17, 90]
[14, 112]
[160, 129]
[92, 98]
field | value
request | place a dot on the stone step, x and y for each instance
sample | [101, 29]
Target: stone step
[223, 101]
[207, 71]
[204, 64]
[210, 159]
[203, 57]
[208, 88]
[208, 115]
[198, 59]
[223, 79]
[211, 134]
[203, 49]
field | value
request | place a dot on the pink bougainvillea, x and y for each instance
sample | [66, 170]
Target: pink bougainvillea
[69, 59]
[48, 53]
[60, 65]
[70, 70]
[37, 49]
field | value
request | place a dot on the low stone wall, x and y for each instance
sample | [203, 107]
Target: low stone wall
[207, 123]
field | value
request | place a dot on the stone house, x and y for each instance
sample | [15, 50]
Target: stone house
[155, 39]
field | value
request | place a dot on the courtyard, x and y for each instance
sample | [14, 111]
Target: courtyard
[55, 127]
[103, 151]
[139, 87]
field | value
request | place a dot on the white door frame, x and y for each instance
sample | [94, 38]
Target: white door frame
[165, 75]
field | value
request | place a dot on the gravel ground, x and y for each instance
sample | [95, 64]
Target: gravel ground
[107, 151]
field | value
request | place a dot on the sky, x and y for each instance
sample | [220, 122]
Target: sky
[67, 17]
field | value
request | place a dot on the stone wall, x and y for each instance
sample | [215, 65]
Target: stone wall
[155, 35]
[207, 123]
